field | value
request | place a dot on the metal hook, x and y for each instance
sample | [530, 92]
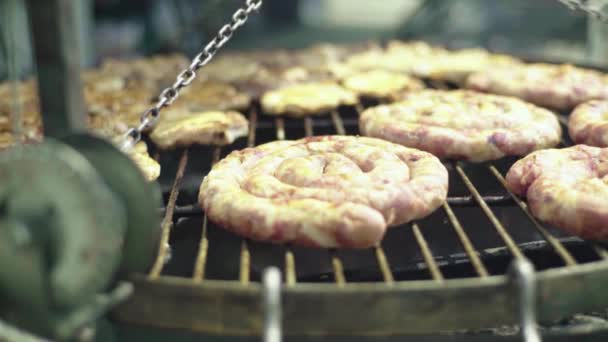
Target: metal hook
[523, 276]
[271, 297]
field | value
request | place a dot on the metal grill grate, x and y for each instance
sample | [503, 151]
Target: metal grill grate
[474, 198]
[208, 279]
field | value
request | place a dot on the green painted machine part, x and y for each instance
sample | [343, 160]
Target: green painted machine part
[140, 198]
[72, 214]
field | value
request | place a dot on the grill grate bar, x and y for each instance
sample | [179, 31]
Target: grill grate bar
[490, 214]
[553, 241]
[335, 117]
[280, 123]
[253, 123]
[201, 257]
[308, 126]
[167, 223]
[338, 268]
[601, 251]
[245, 263]
[466, 242]
[427, 254]
[384, 266]
[290, 268]
[470, 200]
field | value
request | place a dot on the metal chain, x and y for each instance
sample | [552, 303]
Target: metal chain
[170, 94]
[584, 6]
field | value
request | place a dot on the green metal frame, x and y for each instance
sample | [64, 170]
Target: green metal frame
[377, 309]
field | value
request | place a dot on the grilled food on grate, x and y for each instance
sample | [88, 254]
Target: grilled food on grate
[456, 66]
[423, 60]
[381, 84]
[178, 127]
[212, 95]
[567, 188]
[304, 99]
[460, 124]
[588, 123]
[331, 191]
[560, 87]
[149, 167]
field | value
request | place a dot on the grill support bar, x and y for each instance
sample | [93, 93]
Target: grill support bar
[427, 254]
[201, 257]
[504, 234]
[558, 246]
[466, 242]
[167, 224]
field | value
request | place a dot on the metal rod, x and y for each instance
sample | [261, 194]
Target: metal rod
[601, 251]
[253, 121]
[167, 222]
[384, 266]
[290, 268]
[201, 258]
[466, 242]
[335, 117]
[462, 201]
[308, 126]
[280, 123]
[490, 214]
[553, 241]
[523, 276]
[426, 254]
[271, 298]
[338, 268]
[245, 263]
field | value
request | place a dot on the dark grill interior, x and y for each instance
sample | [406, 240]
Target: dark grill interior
[478, 233]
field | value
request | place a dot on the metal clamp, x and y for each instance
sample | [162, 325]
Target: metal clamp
[271, 301]
[522, 275]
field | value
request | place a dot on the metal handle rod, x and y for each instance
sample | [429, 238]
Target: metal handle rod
[524, 278]
[271, 300]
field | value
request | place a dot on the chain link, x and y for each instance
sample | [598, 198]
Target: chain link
[170, 94]
[586, 7]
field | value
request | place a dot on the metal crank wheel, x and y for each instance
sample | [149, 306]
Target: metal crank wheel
[140, 198]
[71, 216]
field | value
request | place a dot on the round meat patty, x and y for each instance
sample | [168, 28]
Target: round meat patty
[180, 128]
[588, 123]
[381, 84]
[566, 188]
[328, 191]
[560, 87]
[462, 124]
[306, 99]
